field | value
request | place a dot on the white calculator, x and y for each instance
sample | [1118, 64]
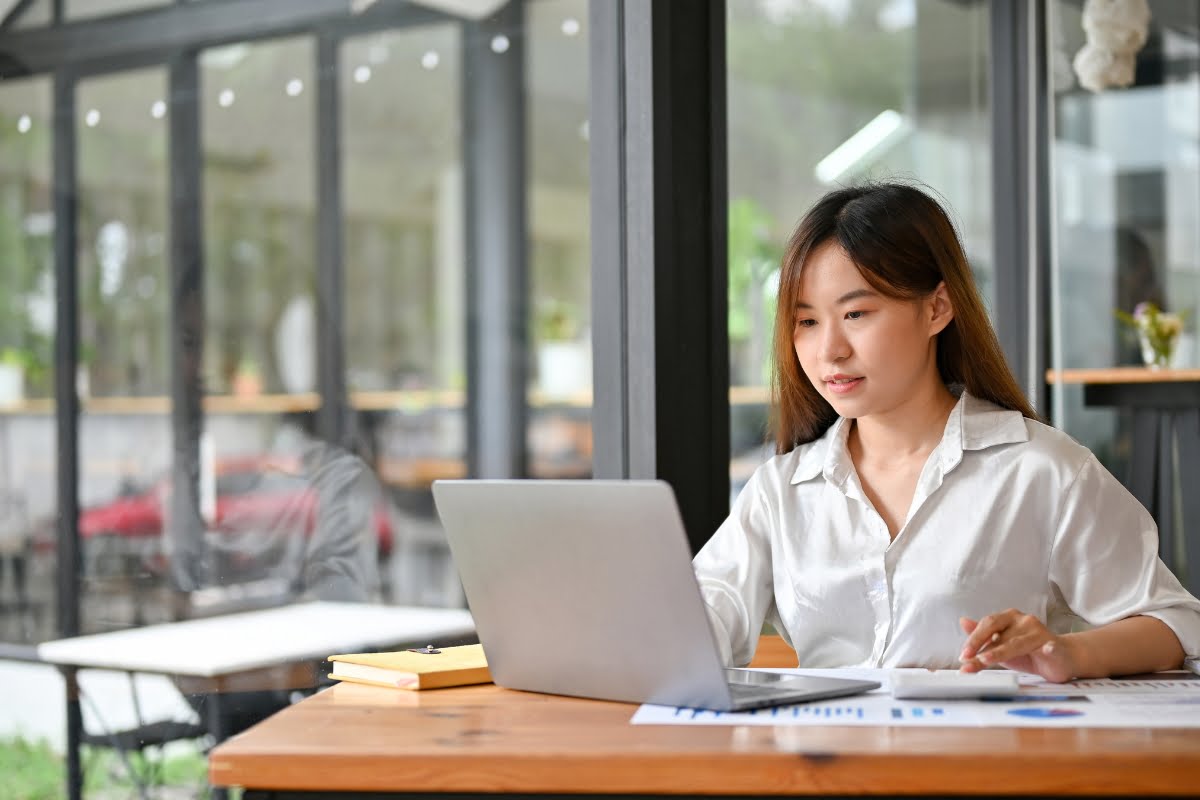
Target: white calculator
[949, 683]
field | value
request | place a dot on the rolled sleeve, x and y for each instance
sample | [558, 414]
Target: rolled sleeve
[1105, 559]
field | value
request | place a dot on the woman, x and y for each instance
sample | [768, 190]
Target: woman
[916, 512]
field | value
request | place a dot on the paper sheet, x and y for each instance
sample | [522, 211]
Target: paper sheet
[1168, 700]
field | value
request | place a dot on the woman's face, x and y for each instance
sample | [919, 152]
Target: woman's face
[866, 353]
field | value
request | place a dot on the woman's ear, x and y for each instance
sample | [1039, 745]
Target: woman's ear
[941, 310]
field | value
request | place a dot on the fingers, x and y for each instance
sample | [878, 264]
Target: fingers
[1014, 647]
[967, 624]
[985, 631]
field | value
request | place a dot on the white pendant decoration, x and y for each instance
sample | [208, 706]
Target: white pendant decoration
[1116, 30]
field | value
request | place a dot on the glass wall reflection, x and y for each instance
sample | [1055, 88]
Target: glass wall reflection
[260, 480]
[1126, 178]
[560, 431]
[826, 94]
[286, 516]
[1125, 172]
[28, 463]
[404, 272]
[123, 378]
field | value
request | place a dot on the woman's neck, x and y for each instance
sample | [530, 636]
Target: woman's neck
[911, 430]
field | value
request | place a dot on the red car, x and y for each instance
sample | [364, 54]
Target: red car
[260, 507]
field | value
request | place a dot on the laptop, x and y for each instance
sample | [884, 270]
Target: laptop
[585, 588]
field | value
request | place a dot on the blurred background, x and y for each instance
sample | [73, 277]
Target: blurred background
[253, 256]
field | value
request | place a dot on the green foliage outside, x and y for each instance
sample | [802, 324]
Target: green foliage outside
[556, 321]
[23, 260]
[754, 256]
[33, 771]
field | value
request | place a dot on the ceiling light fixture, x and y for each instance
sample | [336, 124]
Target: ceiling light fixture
[868, 142]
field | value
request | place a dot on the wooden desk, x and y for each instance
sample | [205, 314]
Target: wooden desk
[1165, 404]
[487, 740]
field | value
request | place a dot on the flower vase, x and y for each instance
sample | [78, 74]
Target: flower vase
[1156, 354]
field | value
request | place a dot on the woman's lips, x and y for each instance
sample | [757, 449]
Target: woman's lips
[844, 385]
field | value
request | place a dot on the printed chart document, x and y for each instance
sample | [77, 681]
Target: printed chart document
[1162, 700]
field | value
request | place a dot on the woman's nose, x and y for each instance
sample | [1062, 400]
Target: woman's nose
[834, 345]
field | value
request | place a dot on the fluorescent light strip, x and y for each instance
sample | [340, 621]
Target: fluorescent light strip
[868, 139]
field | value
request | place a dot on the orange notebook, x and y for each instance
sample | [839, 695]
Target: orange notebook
[414, 669]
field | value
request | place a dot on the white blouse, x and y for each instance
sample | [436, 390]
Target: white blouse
[1008, 513]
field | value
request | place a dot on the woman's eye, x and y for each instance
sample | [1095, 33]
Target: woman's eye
[855, 314]
[805, 323]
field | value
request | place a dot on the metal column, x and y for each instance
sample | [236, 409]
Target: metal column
[496, 252]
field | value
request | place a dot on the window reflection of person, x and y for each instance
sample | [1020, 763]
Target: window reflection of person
[314, 521]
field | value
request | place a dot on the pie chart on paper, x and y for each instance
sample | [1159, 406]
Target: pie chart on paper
[1045, 713]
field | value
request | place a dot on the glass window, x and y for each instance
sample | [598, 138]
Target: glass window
[404, 279]
[287, 516]
[124, 297]
[259, 221]
[560, 433]
[824, 94]
[28, 463]
[1126, 189]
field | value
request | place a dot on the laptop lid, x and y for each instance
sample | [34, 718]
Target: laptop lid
[586, 588]
[583, 588]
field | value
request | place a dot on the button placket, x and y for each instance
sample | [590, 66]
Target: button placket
[878, 592]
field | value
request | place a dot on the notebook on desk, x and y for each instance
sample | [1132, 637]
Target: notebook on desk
[586, 588]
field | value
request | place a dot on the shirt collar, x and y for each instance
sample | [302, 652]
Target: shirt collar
[973, 424]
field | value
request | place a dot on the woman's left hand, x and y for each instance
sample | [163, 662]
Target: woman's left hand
[1020, 642]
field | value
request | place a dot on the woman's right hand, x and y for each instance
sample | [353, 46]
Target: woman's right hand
[1020, 642]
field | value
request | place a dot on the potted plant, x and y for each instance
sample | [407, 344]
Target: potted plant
[564, 355]
[12, 376]
[1157, 332]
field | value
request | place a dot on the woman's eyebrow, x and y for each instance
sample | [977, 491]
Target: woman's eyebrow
[856, 295]
[846, 298]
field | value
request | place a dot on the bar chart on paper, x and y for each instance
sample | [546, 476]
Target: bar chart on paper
[867, 710]
[1163, 700]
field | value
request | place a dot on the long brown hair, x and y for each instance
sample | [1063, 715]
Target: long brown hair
[904, 245]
